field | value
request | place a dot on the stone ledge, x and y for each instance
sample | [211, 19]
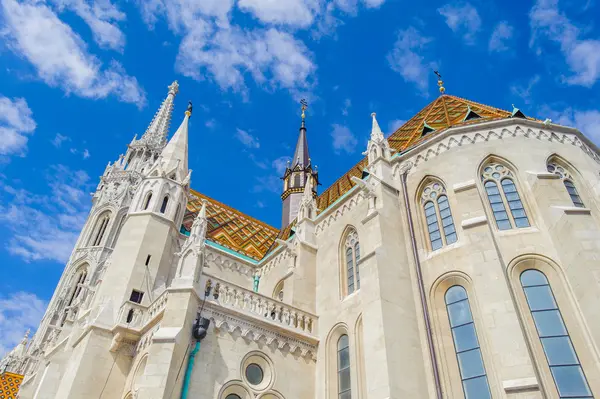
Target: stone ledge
[573, 210]
[464, 186]
[520, 384]
[544, 175]
[473, 222]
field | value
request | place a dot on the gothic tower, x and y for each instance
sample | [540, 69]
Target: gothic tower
[296, 176]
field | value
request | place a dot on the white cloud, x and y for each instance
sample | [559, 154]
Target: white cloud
[85, 154]
[525, 93]
[279, 164]
[587, 121]
[247, 139]
[273, 58]
[582, 56]
[58, 216]
[291, 12]
[59, 55]
[395, 124]
[59, 139]
[406, 59]
[16, 123]
[501, 34]
[343, 139]
[19, 312]
[462, 18]
[102, 17]
[346, 107]
[211, 123]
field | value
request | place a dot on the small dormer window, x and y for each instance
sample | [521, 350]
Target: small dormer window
[471, 115]
[426, 129]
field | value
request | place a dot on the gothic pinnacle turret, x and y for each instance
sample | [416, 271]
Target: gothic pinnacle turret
[157, 131]
[174, 157]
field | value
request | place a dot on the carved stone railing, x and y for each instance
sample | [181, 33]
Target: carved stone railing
[157, 306]
[233, 296]
[132, 315]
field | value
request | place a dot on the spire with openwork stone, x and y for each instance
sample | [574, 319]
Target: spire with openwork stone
[378, 146]
[156, 133]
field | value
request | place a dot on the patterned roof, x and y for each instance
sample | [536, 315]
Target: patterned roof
[231, 228]
[442, 113]
[243, 234]
[9, 385]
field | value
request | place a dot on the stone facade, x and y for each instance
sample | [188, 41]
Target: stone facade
[366, 280]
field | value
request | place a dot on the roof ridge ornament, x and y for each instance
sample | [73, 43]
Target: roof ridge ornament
[303, 107]
[517, 113]
[440, 82]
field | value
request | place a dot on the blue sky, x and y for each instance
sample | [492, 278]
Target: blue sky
[78, 78]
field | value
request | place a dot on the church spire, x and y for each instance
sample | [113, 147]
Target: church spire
[156, 133]
[301, 156]
[174, 157]
[297, 175]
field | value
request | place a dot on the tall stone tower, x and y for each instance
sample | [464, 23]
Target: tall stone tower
[296, 176]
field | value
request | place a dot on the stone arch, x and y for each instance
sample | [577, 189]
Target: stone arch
[235, 387]
[442, 333]
[568, 306]
[349, 248]
[331, 342]
[360, 357]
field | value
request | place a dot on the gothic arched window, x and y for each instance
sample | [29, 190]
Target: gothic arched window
[297, 181]
[437, 213]
[565, 176]
[495, 175]
[561, 356]
[147, 201]
[165, 202]
[466, 345]
[343, 367]
[351, 255]
[99, 229]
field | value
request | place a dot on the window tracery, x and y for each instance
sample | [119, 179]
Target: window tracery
[99, 229]
[437, 213]
[351, 257]
[493, 176]
[568, 181]
[343, 367]
[560, 353]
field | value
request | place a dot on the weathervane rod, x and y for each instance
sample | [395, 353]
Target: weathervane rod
[303, 107]
[440, 82]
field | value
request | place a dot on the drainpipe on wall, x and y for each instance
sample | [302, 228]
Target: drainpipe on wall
[256, 281]
[424, 307]
[199, 331]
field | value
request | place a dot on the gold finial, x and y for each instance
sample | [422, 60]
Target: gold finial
[440, 82]
[303, 107]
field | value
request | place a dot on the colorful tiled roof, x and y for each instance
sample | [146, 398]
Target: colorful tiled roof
[9, 385]
[442, 113]
[231, 228]
[243, 234]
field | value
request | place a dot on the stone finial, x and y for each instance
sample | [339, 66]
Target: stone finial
[174, 88]
[376, 133]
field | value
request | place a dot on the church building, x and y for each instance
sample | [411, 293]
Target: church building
[459, 259]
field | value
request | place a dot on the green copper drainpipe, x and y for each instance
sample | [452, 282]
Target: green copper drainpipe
[188, 371]
[256, 281]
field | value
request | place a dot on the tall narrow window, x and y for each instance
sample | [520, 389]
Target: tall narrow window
[493, 176]
[466, 345]
[147, 201]
[352, 256]
[165, 202]
[437, 212]
[567, 179]
[100, 229]
[343, 367]
[560, 353]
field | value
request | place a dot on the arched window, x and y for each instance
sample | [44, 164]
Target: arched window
[297, 182]
[554, 167]
[560, 353]
[76, 288]
[232, 396]
[343, 367]
[437, 213]
[466, 345]
[278, 291]
[165, 202]
[147, 201]
[493, 176]
[99, 229]
[351, 254]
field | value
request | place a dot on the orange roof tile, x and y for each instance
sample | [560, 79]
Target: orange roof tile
[442, 113]
[9, 385]
[231, 228]
[248, 236]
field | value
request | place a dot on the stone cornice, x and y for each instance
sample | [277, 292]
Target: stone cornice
[250, 328]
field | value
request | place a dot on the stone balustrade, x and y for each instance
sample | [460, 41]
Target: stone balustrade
[157, 306]
[132, 315]
[257, 305]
